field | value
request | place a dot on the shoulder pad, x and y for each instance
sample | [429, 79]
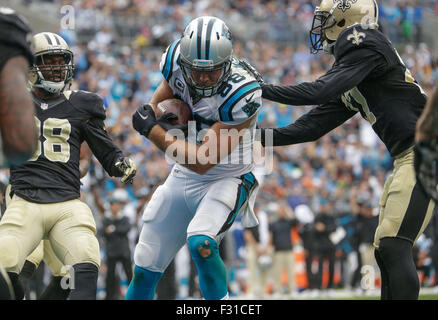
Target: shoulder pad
[241, 103]
[89, 102]
[355, 37]
[169, 60]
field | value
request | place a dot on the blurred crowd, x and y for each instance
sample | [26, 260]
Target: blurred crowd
[329, 188]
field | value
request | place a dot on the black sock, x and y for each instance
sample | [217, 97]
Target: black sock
[26, 273]
[85, 282]
[54, 291]
[396, 255]
[6, 291]
[385, 292]
[16, 285]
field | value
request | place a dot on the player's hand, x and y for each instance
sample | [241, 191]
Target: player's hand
[143, 120]
[252, 71]
[166, 120]
[128, 168]
[426, 165]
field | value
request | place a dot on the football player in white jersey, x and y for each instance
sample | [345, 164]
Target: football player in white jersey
[212, 183]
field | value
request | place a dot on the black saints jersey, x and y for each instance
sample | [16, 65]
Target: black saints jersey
[369, 77]
[52, 174]
[15, 37]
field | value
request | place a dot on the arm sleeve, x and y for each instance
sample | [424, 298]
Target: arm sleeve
[345, 74]
[313, 125]
[102, 146]
[242, 105]
[168, 60]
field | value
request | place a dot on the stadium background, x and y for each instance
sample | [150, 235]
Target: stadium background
[118, 45]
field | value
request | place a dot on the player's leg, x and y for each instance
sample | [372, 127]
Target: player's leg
[57, 288]
[223, 202]
[21, 230]
[405, 213]
[73, 238]
[6, 289]
[163, 234]
[30, 265]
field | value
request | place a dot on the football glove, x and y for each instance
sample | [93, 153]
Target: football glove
[127, 168]
[143, 120]
[165, 122]
[252, 71]
[426, 166]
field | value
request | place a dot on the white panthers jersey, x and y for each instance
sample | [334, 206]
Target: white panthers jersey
[238, 100]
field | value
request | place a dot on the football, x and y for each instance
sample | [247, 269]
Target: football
[176, 106]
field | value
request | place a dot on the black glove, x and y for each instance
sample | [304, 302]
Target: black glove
[165, 121]
[252, 71]
[426, 166]
[143, 120]
[128, 168]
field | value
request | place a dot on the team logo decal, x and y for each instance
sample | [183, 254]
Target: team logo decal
[345, 4]
[356, 37]
[250, 108]
[44, 106]
[179, 85]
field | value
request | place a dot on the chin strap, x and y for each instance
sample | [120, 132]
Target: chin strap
[328, 47]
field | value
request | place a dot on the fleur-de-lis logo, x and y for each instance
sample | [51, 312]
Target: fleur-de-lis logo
[344, 4]
[356, 37]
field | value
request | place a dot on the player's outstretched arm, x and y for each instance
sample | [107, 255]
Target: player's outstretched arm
[343, 76]
[17, 121]
[310, 126]
[109, 155]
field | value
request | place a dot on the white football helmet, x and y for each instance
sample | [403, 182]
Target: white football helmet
[333, 16]
[41, 74]
[206, 50]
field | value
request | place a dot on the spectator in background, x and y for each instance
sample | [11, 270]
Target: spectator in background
[366, 225]
[115, 229]
[258, 255]
[281, 241]
[325, 249]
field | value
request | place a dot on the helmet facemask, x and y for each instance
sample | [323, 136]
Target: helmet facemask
[322, 20]
[206, 49]
[48, 74]
[203, 77]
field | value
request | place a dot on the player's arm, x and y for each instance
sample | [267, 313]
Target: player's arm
[17, 121]
[427, 125]
[311, 126]
[84, 159]
[163, 92]
[106, 151]
[348, 72]
[220, 140]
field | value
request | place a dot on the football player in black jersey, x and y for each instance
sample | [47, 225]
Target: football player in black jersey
[369, 77]
[45, 190]
[55, 289]
[17, 125]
